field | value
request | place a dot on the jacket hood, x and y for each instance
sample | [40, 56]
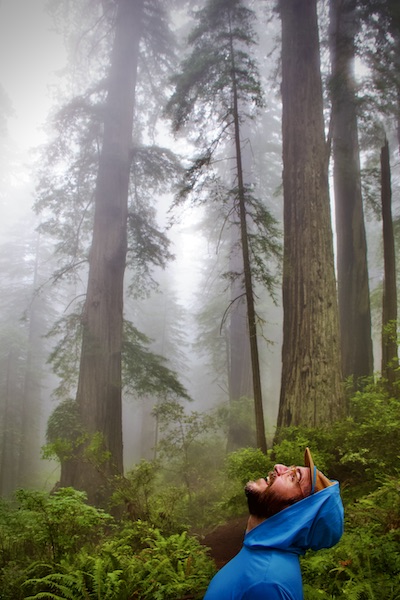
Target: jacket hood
[315, 522]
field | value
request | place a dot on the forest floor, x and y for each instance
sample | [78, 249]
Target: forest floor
[225, 541]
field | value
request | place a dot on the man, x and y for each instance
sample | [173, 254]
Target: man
[292, 510]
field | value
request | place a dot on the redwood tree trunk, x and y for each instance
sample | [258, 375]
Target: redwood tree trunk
[390, 360]
[311, 391]
[99, 387]
[352, 269]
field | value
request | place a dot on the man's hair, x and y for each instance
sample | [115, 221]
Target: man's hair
[267, 503]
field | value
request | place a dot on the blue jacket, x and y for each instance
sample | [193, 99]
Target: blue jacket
[267, 567]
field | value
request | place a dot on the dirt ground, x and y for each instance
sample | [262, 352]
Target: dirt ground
[226, 540]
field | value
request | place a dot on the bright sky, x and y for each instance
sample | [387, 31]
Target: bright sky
[30, 54]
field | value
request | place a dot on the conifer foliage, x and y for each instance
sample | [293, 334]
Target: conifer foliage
[216, 91]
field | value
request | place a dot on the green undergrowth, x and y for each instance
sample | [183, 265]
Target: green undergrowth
[365, 565]
[56, 546]
[362, 452]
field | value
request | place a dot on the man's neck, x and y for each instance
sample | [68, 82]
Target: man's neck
[253, 521]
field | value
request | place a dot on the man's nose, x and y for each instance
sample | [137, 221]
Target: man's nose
[280, 469]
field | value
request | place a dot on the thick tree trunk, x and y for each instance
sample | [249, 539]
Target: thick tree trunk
[311, 390]
[390, 360]
[99, 387]
[353, 285]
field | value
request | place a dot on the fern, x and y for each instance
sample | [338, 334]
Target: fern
[97, 583]
[64, 584]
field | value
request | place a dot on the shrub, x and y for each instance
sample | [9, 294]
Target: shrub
[365, 565]
[58, 524]
[42, 529]
[139, 562]
[245, 464]
[360, 567]
[356, 450]
[172, 568]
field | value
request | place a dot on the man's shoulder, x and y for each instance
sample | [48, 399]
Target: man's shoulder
[257, 574]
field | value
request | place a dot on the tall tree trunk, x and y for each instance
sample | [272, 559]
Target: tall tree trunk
[240, 374]
[352, 269]
[248, 284]
[99, 387]
[390, 359]
[311, 390]
[240, 432]
[240, 365]
[8, 457]
[30, 404]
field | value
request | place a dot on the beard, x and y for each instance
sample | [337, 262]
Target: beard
[267, 503]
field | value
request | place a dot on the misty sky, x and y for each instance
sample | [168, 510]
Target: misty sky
[29, 56]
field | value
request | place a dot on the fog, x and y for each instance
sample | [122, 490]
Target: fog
[33, 72]
[31, 58]
[33, 63]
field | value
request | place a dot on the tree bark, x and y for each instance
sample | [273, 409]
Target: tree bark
[352, 268]
[311, 390]
[99, 387]
[390, 359]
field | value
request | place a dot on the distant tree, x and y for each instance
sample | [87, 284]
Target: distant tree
[311, 388]
[240, 379]
[240, 367]
[11, 383]
[352, 268]
[98, 165]
[24, 316]
[217, 89]
[390, 357]
[164, 321]
[239, 359]
[380, 46]
[222, 337]
[180, 433]
[36, 316]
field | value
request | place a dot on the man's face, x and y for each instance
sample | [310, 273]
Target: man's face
[283, 487]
